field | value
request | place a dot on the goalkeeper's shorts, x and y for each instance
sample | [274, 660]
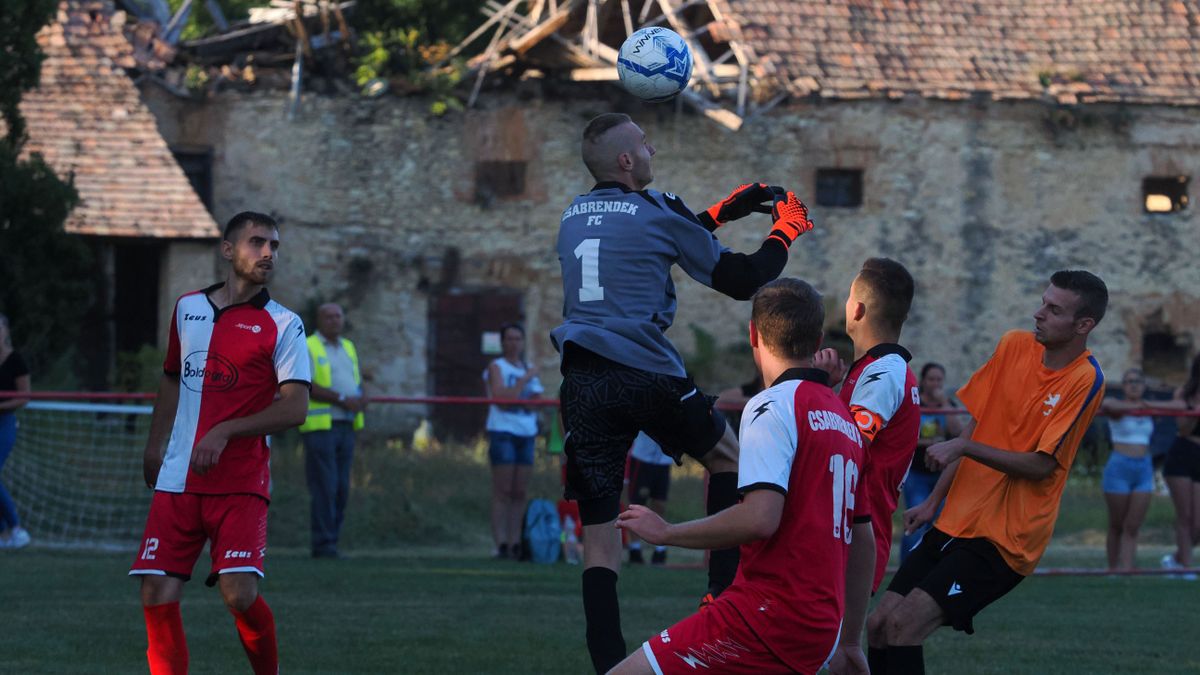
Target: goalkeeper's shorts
[604, 406]
[180, 523]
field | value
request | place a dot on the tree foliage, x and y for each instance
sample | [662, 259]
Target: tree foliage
[44, 288]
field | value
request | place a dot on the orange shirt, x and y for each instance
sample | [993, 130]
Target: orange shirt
[1021, 406]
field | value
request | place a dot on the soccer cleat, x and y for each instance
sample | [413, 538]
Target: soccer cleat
[659, 558]
[635, 557]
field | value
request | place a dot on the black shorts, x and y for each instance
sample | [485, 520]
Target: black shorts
[604, 406]
[962, 575]
[648, 481]
[1183, 459]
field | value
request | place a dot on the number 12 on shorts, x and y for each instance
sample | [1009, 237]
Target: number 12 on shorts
[149, 549]
[845, 480]
[588, 251]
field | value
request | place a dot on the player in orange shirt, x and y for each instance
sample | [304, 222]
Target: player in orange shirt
[1031, 402]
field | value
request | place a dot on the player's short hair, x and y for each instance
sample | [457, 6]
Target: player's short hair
[241, 220]
[889, 289]
[512, 325]
[593, 132]
[788, 314]
[1093, 294]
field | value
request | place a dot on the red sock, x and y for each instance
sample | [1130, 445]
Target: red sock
[256, 628]
[167, 653]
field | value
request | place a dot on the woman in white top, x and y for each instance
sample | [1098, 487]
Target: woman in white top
[511, 432]
[1129, 475]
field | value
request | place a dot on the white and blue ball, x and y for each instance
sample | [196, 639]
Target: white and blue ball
[655, 64]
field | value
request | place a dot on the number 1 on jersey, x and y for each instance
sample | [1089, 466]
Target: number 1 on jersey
[588, 251]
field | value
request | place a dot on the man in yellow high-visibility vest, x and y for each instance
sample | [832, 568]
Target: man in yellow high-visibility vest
[335, 413]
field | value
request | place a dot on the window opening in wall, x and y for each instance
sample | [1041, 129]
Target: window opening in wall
[197, 166]
[1165, 194]
[1165, 355]
[499, 178]
[839, 187]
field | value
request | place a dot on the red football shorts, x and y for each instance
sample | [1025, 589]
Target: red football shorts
[180, 523]
[714, 640]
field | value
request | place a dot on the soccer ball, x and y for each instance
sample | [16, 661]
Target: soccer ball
[655, 64]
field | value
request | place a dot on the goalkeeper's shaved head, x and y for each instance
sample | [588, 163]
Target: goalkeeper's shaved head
[614, 148]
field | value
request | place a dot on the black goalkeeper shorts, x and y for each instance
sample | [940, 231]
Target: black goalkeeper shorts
[604, 406]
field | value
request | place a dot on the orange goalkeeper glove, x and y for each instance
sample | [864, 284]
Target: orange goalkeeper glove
[791, 219]
[743, 201]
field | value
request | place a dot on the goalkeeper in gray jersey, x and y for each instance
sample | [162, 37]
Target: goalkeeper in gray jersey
[621, 375]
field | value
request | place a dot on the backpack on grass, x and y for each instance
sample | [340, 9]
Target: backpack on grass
[542, 534]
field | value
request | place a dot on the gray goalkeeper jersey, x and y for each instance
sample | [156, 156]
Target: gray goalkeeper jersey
[616, 248]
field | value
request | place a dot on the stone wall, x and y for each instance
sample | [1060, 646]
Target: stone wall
[982, 201]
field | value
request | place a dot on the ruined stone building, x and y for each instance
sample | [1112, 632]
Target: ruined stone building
[984, 145]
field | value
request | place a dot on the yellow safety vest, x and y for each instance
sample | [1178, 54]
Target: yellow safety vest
[320, 413]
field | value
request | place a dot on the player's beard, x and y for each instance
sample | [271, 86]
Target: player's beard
[251, 272]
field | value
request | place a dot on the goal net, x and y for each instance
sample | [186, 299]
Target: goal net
[75, 473]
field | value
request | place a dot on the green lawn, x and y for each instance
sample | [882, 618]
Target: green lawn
[418, 594]
[432, 611]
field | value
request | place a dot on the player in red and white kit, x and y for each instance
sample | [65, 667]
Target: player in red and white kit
[882, 394]
[237, 368]
[798, 473]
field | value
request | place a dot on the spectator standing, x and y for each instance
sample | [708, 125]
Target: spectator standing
[335, 415]
[1182, 473]
[511, 432]
[935, 428]
[1129, 473]
[649, 484]
[14, 376]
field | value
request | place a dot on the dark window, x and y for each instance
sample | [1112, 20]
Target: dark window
[1165, 355]
[839, 187]
[499, 178]
[1164, 194]
[197, 166]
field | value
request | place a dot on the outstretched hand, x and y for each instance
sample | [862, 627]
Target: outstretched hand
[646, 524]
[744, 200]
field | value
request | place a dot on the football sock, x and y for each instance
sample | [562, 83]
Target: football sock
[256, 628]
[877, 660]
[167, 652]
[906, 660]
[605, 643]
[722, 563]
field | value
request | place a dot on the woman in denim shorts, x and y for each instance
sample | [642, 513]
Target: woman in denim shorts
[511, 432]
[1129, 475]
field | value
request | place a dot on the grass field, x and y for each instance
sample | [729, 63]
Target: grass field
[418, 594]
[430, 611]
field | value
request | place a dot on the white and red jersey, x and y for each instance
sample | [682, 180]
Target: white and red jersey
[882, 394]
[230, 363]
[797, 438]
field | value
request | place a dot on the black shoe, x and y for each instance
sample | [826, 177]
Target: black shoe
[501, 552]
[635, 557]
[659, 557]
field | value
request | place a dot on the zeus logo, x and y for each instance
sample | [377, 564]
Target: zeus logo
[760, 410]
[873, 377]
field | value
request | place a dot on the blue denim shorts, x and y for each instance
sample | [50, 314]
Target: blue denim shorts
[1124, 474]
[506, 448]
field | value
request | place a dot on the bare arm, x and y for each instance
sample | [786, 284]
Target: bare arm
[495, 383]
[1027, 465]
[756, 517]
[161, 423]
[9, 404]
[285, 412]
[860, 572]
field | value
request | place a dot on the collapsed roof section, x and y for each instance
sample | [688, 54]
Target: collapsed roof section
[579, 39]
